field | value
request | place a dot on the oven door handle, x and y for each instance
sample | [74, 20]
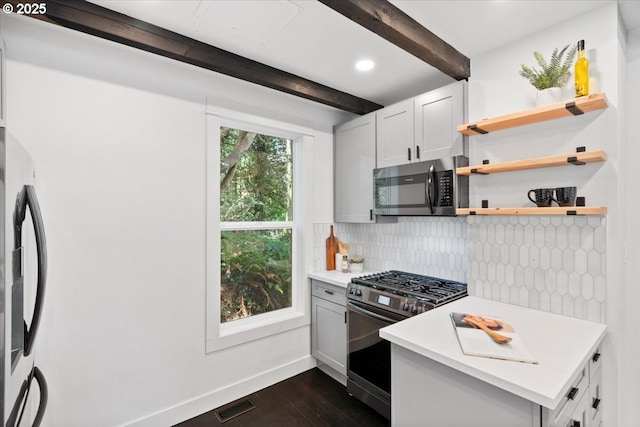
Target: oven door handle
[369, 313]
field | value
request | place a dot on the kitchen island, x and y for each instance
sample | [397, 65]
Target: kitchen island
[434, 382]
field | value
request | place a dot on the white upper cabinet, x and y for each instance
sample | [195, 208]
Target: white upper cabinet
[437, 115]
[355, 159]
[395, 135]
[414, 130]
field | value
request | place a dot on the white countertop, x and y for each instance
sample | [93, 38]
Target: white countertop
[337, 278]
[561, 344]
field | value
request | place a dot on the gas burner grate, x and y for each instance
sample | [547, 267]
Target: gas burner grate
[436, 290]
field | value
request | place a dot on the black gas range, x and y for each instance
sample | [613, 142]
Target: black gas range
[376, 301]
[406, 294]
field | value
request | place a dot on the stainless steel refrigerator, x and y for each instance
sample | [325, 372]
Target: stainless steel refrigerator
[23, 273]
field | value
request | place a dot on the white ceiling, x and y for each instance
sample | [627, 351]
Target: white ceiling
[306, 38]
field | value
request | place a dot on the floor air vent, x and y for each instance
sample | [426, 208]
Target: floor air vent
[228, 412]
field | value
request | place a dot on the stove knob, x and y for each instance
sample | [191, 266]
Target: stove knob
[358, 293]
[351, 291]
[414, 309]
[405, 306]
[421, 309]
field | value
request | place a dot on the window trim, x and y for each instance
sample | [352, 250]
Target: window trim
[224, 335]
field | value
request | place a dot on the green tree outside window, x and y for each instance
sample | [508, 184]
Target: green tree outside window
[256, 176]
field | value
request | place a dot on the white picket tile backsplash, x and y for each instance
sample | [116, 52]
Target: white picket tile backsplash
[435, 247]
[555, 264]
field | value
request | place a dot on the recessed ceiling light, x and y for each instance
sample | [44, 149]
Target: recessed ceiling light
[365, 65]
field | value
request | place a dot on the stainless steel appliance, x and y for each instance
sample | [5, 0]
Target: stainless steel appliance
[376, 301]
[431, 187]
[23, 273]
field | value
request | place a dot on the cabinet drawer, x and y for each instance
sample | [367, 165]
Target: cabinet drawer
[329, 292]
[579, 416]
[595, 399]
[575, 393]
[595, 362]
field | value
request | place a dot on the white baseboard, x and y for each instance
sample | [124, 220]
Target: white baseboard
[207, 402]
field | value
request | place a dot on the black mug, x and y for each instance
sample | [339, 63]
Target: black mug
[566, 196]
[543, 197]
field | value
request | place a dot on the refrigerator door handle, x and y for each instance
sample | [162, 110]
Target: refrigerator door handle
[14, 419]
[27, 197]
[44, 397]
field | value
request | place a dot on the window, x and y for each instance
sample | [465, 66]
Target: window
[255, 190]
[256, 214]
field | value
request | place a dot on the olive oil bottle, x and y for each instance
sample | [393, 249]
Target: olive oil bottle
[582, 72]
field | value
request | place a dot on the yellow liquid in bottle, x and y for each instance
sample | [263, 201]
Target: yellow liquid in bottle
[582, 75]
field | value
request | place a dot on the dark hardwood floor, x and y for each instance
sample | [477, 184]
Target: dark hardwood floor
[311, 398]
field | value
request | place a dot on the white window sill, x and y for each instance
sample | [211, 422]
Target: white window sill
[256, 327]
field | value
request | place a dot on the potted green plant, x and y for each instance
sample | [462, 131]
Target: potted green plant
[552, 76]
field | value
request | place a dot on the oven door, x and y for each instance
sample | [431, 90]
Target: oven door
[369, 356]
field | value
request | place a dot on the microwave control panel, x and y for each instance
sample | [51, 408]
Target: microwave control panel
[445, 188]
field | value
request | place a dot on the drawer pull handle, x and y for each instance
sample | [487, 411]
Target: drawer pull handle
[596, 403]
[572, 393]
[595, 357]
[328, 292]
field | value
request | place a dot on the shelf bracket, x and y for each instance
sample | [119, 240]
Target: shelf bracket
[485, 204]
[476, 129]
[477, 172]
[574, 161]
[572, 213]
[571, 107]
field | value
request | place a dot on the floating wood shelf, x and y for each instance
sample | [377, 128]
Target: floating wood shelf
[578, 158]
[584, 104]
[573, 210]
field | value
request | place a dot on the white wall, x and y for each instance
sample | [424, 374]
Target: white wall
[630, 344]
[118, 138]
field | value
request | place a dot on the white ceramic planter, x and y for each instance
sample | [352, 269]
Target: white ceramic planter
[548, 96]
[356, 267]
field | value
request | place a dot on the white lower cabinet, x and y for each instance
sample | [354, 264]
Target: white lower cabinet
[329, 329]
[426, 392]
[572, 411]
[582, 406]
[595, 389]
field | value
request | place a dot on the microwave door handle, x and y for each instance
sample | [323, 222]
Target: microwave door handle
[431, 189]
[41, 248]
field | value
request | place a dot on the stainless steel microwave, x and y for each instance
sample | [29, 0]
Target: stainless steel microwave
[425, 188]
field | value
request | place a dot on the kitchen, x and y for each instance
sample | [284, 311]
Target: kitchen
[117, 145]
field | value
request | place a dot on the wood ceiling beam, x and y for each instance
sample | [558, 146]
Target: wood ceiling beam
[105, 23]
[395, 26]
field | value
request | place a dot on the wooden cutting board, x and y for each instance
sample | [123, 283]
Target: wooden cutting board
[332, 249]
